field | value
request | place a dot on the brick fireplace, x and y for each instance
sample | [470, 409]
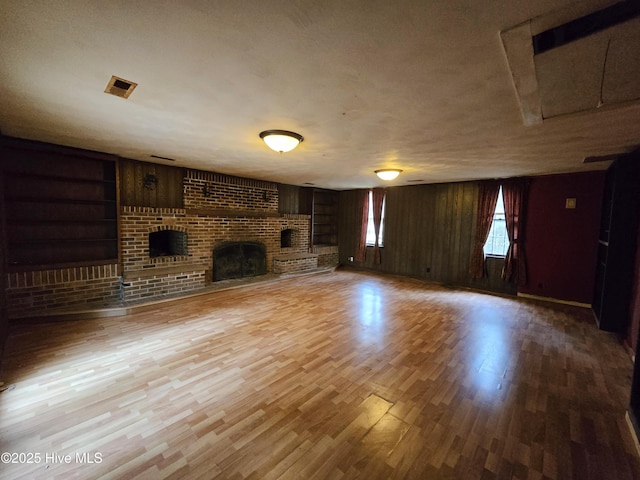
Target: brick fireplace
[219, 211]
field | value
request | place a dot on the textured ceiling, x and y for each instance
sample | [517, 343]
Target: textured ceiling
[424, 86]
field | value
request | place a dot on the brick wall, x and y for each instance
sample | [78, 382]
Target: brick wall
[216, 191]
[327, 255]
[161, 282]
[29, 293]
[294, 262]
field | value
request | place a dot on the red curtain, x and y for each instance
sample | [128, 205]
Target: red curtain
[514, 193]
[378, 199]
[363, 205]
[487, 199]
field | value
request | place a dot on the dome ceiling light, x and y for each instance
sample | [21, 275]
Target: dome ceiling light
[388, 173]
[281, 140]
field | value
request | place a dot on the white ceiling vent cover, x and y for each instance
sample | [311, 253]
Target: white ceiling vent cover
[120, 87]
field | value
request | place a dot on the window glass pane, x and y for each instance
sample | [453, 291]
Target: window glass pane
[498, 240]
[500, 203]
[371, 234]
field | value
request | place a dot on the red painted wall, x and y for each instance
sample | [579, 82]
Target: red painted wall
[561, 244]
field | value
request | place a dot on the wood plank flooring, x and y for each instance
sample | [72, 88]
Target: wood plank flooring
[334, 376]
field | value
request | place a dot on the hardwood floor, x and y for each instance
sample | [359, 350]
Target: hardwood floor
[334, 376]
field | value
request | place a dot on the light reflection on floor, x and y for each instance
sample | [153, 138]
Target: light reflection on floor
[490, 357]
[372, 314]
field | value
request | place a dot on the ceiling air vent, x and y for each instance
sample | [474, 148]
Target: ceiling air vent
[120, 87]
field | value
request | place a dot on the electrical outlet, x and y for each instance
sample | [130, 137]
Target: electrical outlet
[350, 259]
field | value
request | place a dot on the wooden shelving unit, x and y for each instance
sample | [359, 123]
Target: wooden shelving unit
[59, 209]
[324, 225]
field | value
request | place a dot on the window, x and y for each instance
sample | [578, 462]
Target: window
[498, 241]
[371, 234]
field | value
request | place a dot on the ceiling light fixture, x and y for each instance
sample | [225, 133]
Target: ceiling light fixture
[388, 173]
[281, 140]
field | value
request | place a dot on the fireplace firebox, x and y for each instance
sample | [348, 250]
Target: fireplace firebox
[239, 259]
[286, 238]
[167, 243]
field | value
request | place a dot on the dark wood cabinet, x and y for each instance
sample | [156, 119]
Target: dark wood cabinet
[617, 244]
[325, 217]
[60, 207]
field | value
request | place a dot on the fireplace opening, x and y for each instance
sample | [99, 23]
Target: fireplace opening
[286, 238]
[167, 243]
[239, 259]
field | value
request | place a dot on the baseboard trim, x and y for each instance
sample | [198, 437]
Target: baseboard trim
[554, 300]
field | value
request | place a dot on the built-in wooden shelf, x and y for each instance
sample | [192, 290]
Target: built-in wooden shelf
[60, 209]
[324, 228]
[59, 178]
[99, 221]
[48, 241]
[50, 200]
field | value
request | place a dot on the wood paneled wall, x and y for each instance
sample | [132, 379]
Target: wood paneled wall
[166, 192]
[288, 199]
[294, 199]
[428, 234]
